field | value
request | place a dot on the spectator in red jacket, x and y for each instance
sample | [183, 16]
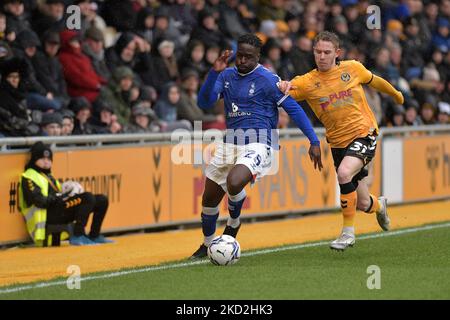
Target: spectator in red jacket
[81, 78]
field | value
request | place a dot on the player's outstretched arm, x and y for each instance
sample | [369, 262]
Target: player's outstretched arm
[384, 86]
[211, 88]
[301, 120]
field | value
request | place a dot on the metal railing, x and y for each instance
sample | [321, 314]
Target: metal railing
[8, 145]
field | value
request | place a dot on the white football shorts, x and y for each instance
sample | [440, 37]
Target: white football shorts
[259, 158]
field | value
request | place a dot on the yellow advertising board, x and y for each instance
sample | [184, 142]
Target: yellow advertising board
[146, 187]
[426, 169]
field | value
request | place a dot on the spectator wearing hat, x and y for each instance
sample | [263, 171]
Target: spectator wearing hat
[14, 114]
[42, 203]
[444, 113]
[131, 51]
[143, 120]
[49, 71]
[50, 15]
[145, 23]
[165, 66]
[51, 124]
[93, 47]
[80, 75]
[38, 97]
[16, 16]
[82, 109]
[104, 120]
[207, 30]
[68, 122]
[441, 38]
[121, 93]
[188, 108]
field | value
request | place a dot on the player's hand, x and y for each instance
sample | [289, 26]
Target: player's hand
[285, 86]
[316, 156]
[222, 62]
[399, 98]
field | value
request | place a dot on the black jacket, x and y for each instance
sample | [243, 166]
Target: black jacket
[49, 73]
[14, 116]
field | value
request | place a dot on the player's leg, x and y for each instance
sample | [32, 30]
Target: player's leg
[369, 203]
[348, 168]
[237, 179]
[252, 162]
[212, 196]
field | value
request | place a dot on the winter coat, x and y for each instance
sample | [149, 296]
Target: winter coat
[81, 78]
[14, 115]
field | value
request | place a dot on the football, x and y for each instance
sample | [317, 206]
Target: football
[224, 250]
[71, 188]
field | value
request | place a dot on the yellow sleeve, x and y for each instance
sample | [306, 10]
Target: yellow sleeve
[384, 86]
[298, 88]
[364, 75]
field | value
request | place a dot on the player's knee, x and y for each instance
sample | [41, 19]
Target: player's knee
[344, 175]
[234, 184]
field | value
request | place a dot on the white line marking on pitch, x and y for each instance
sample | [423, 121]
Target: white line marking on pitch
[189, 264]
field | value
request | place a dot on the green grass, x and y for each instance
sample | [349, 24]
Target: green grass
[413, 266]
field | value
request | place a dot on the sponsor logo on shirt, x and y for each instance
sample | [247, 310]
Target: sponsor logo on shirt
[236, 113]
[337, 99]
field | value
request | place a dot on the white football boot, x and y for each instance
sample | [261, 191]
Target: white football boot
[344, 241]
[382, 216]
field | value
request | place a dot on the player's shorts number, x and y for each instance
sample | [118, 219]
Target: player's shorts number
[257, 160]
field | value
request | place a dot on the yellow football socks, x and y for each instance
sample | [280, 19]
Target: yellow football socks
[348, 205]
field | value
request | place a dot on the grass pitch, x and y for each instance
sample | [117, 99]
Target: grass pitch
[413, 265]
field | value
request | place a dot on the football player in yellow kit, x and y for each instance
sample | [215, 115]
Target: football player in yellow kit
[334, 92]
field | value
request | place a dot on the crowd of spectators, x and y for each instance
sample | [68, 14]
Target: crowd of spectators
[135, 66]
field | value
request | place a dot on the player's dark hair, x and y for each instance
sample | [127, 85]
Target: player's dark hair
[328, 36]
[250, 39]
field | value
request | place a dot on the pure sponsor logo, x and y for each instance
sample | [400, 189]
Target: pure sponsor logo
[337, 99]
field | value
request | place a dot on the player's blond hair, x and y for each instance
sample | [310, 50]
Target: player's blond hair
[327, 36]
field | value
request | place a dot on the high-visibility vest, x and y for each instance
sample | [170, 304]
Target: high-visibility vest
[36, 217]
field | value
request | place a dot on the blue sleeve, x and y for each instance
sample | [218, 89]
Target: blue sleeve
[294, 110]
[211, 90]
[300, 118]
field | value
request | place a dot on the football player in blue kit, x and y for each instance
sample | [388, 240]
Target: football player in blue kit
[251, 97]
